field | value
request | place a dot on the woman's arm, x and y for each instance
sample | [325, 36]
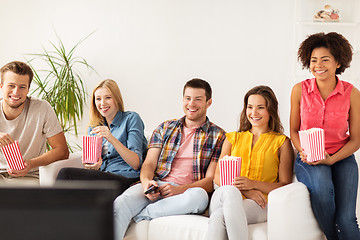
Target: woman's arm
[130, 154]
[286, 158]
[295, 116]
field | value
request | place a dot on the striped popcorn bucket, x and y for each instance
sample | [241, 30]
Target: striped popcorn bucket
[91, 149]
[313, 143]
[13, 156]
[229, 169]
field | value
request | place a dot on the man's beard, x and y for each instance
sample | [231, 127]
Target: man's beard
[14, 106]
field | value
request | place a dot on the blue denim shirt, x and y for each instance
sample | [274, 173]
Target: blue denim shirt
[128, 128]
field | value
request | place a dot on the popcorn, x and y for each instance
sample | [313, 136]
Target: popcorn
[13, 156]
[313, 143]
[229, 169]
[92, 147]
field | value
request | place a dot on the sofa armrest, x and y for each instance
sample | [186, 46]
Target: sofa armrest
[48, 173]
[290, 215]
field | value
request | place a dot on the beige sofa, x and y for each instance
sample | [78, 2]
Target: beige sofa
[289, 215]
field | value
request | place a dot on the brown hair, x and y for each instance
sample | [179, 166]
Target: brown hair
[337, 44]
[96, 118]
[19, 68]
[199, 83]
[271, 106]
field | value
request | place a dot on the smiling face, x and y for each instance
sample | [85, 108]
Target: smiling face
[195, 106]
[15, 88]
[323, 64]
[105, 104]
[256, 112]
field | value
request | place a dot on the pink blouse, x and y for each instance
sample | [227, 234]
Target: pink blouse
[332, 114]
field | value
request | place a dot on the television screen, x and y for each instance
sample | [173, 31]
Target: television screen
[69, 210]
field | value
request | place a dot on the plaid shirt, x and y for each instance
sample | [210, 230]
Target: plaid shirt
[208, 140]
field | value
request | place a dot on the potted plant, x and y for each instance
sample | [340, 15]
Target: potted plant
[61, 83]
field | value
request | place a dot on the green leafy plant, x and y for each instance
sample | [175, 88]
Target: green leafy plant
[61, 83]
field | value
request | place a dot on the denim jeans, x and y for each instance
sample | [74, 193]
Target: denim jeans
[134, 204]
[333, 192]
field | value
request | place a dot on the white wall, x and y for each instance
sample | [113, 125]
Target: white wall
[152, 47]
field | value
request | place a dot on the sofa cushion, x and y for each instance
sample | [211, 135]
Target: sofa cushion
[137, 231]
[258, 231]
[184, 227]
[189, 227]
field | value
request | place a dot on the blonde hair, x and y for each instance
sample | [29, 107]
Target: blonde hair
[96, 118]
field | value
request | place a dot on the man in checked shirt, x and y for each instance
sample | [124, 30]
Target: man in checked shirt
[179, 166]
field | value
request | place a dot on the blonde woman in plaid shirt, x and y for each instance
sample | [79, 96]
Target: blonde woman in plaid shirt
[180, 164]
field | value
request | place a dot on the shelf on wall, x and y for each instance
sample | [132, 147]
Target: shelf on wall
[332, 24]
[348, 26]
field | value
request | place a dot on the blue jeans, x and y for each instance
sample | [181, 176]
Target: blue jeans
[134, 204]
[333, 192]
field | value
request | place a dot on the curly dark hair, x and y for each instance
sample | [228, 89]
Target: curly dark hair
[338, 45]
[271, 106]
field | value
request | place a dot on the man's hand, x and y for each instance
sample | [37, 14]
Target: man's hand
[23, 172]
[5, 139]
[168, 190]
[257, 196]
[153, 196]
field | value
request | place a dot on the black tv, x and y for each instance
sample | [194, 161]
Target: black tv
[71, 210]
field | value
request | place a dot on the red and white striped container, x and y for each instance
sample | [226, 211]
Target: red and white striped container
[230, 167]
[92, 147]
[13, 156]
[313, 143]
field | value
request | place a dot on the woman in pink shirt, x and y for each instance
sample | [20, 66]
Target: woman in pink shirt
[333, 105]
